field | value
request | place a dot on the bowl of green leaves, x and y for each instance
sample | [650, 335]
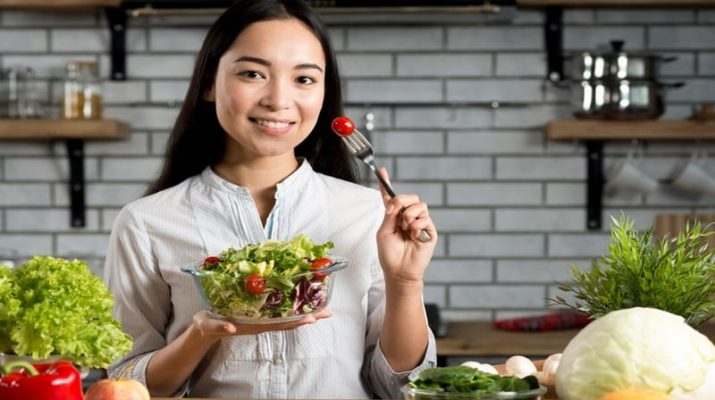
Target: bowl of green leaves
[466, 383]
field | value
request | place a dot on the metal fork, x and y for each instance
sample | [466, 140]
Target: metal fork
[361, 147]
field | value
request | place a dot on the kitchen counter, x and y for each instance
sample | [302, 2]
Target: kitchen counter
[197, 398]
[481, 339]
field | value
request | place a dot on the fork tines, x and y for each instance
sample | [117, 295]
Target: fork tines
[356, 142]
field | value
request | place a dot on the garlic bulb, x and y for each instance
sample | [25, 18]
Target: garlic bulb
[486, 368]
[547, 374]
[520, 367]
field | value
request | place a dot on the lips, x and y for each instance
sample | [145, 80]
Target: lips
[271, 123]
[272, 126]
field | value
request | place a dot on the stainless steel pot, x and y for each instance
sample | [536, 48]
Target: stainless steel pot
[618, 99]
[616, 64]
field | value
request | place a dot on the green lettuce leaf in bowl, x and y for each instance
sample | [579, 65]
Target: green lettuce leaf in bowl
[466, 383]
[63, 310]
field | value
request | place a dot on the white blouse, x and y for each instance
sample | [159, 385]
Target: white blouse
[337, 357]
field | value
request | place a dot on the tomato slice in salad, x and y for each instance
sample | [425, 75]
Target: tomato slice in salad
[255, 284]
[211, 260]
[343, 126]
[317, 265]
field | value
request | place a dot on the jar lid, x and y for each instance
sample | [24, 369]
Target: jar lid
[81, 64]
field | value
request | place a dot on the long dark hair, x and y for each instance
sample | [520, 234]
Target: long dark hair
[198, 140]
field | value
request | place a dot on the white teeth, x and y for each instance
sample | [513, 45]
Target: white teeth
[272, 124]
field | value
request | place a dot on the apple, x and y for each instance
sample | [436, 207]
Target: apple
[117, 389]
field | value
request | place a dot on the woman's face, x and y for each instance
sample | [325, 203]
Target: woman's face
[269, 89]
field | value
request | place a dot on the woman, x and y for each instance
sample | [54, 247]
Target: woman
[252, 158]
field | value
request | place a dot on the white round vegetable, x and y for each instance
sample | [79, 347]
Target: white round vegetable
[471, 364]
[634, 348]
[488, 368]
[705, 391]
[520, 366]
[547, 374]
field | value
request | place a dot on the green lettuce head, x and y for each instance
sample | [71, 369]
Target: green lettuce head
[9, 307]
[65, 310]
[638, 347]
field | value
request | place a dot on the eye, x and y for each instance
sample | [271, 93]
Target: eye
[306, 80]
[250, 74]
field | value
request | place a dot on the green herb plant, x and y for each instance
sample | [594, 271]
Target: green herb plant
[56, 307]
[676, 274]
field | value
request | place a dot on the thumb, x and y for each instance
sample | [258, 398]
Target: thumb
[210, 325]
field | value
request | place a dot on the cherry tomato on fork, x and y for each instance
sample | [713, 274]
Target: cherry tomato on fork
[255, 284]
[317, 265]
[343, 126]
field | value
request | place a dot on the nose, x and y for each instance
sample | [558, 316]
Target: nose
[277, 96]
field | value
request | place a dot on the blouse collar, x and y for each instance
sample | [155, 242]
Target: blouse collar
[291, 185]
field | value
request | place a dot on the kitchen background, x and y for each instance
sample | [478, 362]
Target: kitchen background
[460, 108]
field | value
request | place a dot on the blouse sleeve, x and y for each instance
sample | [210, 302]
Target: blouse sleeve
[384, 381]
[142, 301]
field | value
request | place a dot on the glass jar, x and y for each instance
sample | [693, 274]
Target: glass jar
[82, 92]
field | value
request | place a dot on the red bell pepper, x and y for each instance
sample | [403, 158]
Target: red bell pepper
[55, 381]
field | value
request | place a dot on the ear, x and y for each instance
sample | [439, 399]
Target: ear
[210, 95]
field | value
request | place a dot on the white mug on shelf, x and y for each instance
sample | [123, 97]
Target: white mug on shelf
[693, 177]
[626, 175]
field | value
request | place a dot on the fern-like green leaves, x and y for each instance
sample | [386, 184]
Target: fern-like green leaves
[676, 275]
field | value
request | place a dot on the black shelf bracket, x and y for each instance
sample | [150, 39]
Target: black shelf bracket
[554, 41]
[594, 184]
[75, 155]
[117, 20]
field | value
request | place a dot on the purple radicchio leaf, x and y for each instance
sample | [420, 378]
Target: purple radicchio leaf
[273, 300]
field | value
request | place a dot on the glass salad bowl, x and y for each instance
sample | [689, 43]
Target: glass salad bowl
[466, 383]
[410, 393]
[266, 296]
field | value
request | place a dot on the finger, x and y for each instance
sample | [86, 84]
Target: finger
[286, 326]
[426, 224]
[414, 212]
[390, 221]
[323, 314]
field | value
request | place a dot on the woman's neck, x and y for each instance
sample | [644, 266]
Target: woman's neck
[260, 177]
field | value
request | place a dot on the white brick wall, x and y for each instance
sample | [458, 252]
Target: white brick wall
[507, 202]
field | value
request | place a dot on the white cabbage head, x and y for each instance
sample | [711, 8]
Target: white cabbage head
[635, 348]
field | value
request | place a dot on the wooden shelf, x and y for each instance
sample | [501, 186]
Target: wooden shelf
[617, 3]
[39, 129]
[75, 132]
[58, 3]
[630, 130]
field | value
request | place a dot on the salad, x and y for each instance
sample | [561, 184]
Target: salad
[268, 280]
[462, 382]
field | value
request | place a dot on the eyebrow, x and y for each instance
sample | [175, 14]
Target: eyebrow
[267, 63]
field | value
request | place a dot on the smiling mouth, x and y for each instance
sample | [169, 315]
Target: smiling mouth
[271, 124]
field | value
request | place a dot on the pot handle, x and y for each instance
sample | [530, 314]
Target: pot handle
[674, 85]
[617, 45]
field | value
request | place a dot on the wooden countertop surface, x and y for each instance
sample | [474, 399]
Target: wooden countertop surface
[480, 338]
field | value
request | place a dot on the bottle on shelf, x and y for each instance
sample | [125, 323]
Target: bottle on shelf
[82, 91]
